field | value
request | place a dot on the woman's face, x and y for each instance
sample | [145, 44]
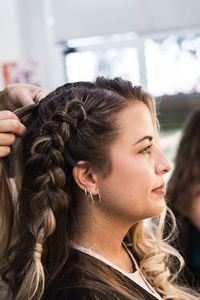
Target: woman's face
[134, 190]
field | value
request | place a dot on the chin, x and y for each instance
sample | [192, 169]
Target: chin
[158, 207]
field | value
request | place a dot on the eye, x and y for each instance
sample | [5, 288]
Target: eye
[145, 150]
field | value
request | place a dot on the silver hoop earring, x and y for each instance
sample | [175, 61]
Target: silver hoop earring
[91, 197]
[99, 198]
[97, 202]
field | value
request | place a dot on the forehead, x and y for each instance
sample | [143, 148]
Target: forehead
[136, 120]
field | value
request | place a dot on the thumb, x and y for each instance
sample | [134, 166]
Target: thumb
[31, 94]
[40, 94]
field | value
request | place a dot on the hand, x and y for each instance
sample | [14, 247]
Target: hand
[9, 126]
[17, 95]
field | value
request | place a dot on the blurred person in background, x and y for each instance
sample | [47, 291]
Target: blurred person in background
[89, 170]
[183, 196]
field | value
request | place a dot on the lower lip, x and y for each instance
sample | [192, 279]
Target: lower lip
[160, 191]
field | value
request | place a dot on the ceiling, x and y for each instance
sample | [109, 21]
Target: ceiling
[76, 18]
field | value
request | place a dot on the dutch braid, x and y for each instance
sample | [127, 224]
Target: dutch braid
[48, 195]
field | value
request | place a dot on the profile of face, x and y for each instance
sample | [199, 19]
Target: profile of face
[134, 189]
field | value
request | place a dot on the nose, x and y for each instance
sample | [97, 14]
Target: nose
[163, 165]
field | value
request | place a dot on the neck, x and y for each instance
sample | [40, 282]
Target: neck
[103, 235]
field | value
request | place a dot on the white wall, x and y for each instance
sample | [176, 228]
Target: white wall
[76, 18]
[10, 48]
[27, 35]
[37, 38]
[31, 29]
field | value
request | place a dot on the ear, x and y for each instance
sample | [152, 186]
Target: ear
[85, 177]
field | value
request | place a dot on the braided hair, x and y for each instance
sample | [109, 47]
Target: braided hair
[74, 123]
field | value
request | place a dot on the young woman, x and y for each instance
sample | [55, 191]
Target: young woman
[184, 197]
[89, 170]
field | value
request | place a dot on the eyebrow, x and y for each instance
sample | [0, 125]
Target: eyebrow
[146, 137]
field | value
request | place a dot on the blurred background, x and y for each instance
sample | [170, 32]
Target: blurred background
[153, 43]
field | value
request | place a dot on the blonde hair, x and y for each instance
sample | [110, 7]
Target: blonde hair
[159, 262]
[59, 130]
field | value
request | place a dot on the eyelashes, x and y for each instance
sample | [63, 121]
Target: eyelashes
[145, 150]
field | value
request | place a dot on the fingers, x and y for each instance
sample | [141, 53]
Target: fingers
[30, 94]
[6, 114]
[9, 122]
[25, 95]
[4, 151]
[11, 125]
[7, 139]
[42, 93]
[17, 95]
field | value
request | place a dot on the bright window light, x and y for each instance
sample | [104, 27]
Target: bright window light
[108, 62]
[173, 65]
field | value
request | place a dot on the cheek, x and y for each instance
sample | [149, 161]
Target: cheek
[126, 193]
[132, 175]
[129, 182]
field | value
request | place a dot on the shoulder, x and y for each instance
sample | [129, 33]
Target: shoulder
[78, 282]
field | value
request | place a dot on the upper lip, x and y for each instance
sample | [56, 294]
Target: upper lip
[160, 187]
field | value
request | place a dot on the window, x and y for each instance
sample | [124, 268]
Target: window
[108, 59]
[173, 64]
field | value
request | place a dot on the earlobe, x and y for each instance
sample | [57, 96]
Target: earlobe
[84, 177]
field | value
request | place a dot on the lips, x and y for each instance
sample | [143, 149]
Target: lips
[160, 190]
